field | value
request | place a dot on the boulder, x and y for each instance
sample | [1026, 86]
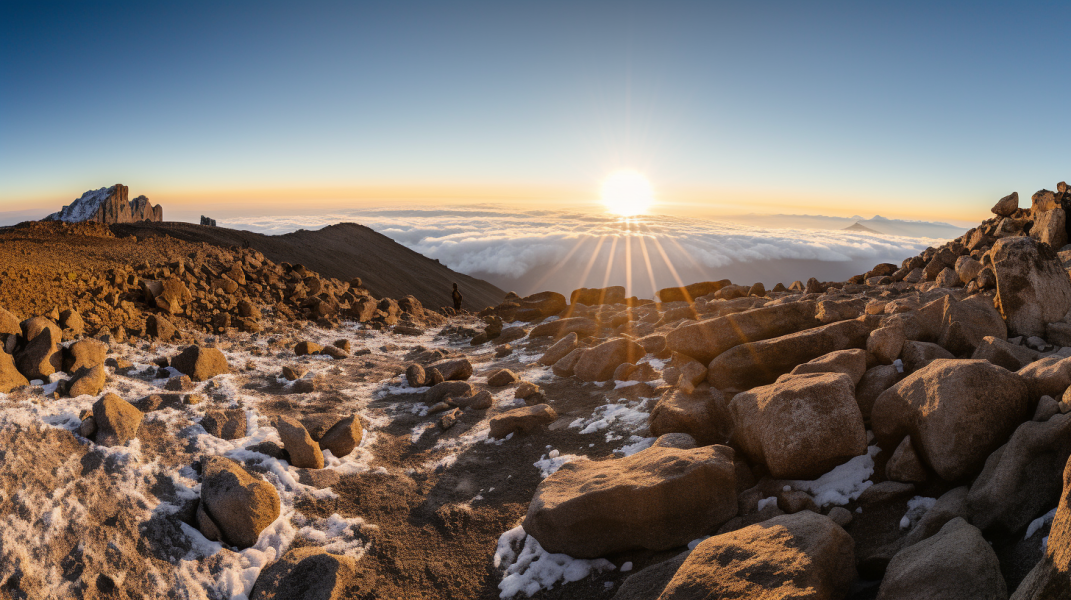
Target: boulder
[957, 562]
[87, 381]
[10, 378]
[596, 296]
[42, 356]
[967, 268]
[657, 499]
[690, 292]
[9, 323]
[343, 436]
[1049, 376]
[1050, 227]
[1005, 354]
[800, 427]
[1021, 479]
[1006, 206]
[156, 326]
[201, 364]
[33, 327]
[116, 419]
[502, 378]
[706, 340]
[1033, 288]
[174, 296]
[701, 414]
[802, 555]
[1050, 579]
[564, 366]
[308, 573]
[560, 349]
[947, 278]
[522, 420]
[966, 324]
[599, 362]
[581, 326]
[454, 369]
[850, 362]
[957, 412]
[237, 505]
[84, 354]
[684, 372]
[226, 424]
[904, 465]
[916, 355]
[874, 382]
[414, 375]
[444, 389]
[304, 452]
[885, 343]
[305, 348]
[760, 363]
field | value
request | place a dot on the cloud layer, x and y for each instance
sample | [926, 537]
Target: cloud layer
[533, 250]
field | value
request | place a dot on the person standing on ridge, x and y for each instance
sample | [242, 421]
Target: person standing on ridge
[457, 298]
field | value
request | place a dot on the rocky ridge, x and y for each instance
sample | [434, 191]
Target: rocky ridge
[109, 205]
[904, 434]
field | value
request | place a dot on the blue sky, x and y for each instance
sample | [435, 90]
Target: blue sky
[926, 110]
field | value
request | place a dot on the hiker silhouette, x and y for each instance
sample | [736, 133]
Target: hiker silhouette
[457, 298]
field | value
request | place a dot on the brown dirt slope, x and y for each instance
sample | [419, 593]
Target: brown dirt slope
[344, 251]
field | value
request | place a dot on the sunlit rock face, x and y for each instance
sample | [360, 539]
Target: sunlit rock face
[109, 205]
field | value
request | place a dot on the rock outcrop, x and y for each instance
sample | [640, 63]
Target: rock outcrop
[109, 205]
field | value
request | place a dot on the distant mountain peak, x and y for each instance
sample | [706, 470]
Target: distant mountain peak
[109, 205]
[879, 218]
[861, 228]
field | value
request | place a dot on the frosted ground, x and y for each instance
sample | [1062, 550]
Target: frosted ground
[151, 481]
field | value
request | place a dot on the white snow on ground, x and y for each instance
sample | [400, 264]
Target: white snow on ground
[549, 464]
[629, 416]
[1039, 522]
[764, 502]
[636, 444]
[917, 507]
[206, 570]
[844, 483]
[531, 568]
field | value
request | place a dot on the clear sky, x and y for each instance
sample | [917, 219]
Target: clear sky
[915, 110]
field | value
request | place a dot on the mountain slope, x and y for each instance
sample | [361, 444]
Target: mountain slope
[344, 251]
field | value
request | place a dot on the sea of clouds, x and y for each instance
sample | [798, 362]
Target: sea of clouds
[534, 250]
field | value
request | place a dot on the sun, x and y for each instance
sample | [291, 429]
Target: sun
[627, 193]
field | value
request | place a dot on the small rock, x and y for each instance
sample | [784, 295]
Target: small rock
[237, 505]
[227, 424]
[343, 436]
[522, 420]
[116, 419]
[304, 452]
[502, 378]
[306, 348]
[201, 364]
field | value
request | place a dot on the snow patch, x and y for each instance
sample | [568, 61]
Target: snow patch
[844, 483]
[532, 568]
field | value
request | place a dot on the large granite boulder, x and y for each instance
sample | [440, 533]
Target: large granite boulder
[957, 562]
[1021, 479]
[800, 427]
[658, 499]
[308, 573]
[598, 363]
[1033, 289]
[235, 506]
[802, 555]
[759, 363]
[705, 340]
[957, 412]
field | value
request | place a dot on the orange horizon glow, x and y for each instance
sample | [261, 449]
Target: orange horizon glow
[681, 201]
